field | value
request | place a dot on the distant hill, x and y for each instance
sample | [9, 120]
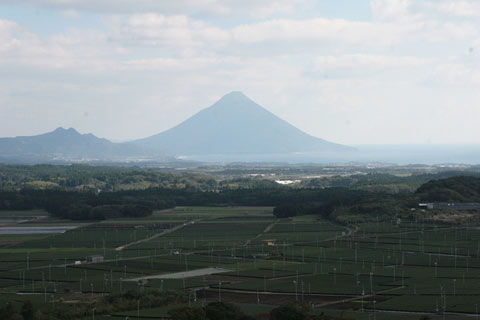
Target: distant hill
[237, 125]
[65, 144]
[456, 189]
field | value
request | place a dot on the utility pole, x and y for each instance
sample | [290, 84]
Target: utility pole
[363, 293]
[220, 292]
[371, 282]
[296, 294]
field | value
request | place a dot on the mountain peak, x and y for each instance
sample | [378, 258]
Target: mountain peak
[236, 124]
[234, 98]
[234, 94]
[62, 130]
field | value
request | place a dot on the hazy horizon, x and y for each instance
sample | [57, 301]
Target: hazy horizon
[351, 72]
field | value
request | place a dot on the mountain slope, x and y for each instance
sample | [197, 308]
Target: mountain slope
[236, 125]
[65, 144]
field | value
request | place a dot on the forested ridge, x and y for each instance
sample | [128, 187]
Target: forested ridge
[86, 178]
[336, 202]
[455, 189]
[135, 203]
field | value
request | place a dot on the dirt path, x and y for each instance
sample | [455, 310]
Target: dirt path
[371, 295]
[267, 229]
[164, 232]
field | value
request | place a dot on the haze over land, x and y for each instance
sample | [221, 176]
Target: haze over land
[352, 72]
[234, 129]
[235, 126]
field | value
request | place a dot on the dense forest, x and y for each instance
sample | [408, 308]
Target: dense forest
[86, 178]
[455, 189]
[382, 182]
[84, 205]
[340, 201]
[341, 206]
[133, 203]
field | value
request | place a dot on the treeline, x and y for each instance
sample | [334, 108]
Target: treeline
[129, 301]
[87, 178]
[79, 177]
[382, 182]
[456, 189]
[84, 205]
[342, 203]
[229, 311]
[139, 203]
[134, 300]
[328, 202]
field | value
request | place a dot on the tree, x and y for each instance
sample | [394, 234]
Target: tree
[28, 312]
[223, 311]
[287, 313]
[8, 312]
[186, 313]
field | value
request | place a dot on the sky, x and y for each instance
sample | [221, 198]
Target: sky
[349, 71]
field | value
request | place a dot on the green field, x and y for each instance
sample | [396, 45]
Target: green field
[381, 269]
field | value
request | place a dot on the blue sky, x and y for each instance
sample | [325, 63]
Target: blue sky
[350, 71]
[45, 22]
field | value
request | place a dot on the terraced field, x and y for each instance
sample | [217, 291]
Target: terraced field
[380, 270]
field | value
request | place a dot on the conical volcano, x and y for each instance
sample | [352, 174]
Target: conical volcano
[236, 125]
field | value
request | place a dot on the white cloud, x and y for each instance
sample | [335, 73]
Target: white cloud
[168, 32]
[212, 8]
[390, 9]
[83, 51]
[460, 8]
[154, 68]
[460, 71]
[364, 65]
[424, 9]
[181, 35]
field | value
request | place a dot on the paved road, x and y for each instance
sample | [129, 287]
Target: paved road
[184, 274]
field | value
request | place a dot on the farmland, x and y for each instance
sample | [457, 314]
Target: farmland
[382, 270]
